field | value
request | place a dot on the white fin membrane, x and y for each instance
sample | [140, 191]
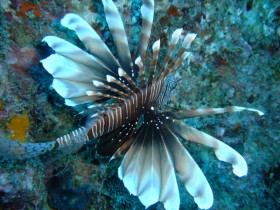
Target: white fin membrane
[116, 27]
[73, 71]
[147, 170]
[222, 151]
[189, 172]
[91, 39]
[147, 11]
[183, 114]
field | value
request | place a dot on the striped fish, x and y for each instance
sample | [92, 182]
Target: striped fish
[132, 121]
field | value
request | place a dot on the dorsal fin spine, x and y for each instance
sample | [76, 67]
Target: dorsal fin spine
[122, 73]
[108, 87]
[172, 44]
[156, 48]
[114, 80]
[139, 63]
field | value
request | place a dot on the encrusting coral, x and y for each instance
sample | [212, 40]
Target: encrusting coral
[19, 126]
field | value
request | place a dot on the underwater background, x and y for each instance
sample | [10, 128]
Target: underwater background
[235, 61]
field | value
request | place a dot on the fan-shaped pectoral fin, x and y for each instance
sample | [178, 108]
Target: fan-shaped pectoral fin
[222, 151]
[147, 170]
[189, 172]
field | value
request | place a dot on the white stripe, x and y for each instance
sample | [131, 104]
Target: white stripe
[117, 117]
[98, 131]
[112, 119]
[109, 121]
[142, 97]
[95, 131]
[129, 109]
[136, 98]
[92, 132]
[146, 89]
[58, 140]
[103, 126]
[120, 114]
[132, 99]
[126, 107]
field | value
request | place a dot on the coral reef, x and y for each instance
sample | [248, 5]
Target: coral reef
[62, 194]
[235, 61]
[21, 185]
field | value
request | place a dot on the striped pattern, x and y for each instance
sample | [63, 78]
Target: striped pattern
[147, 11]
[189, 172]
[222, 151]
[146, 169]
[117, 29]
[156, 47]
[127, 115]
[66, 144]
[183, 114]
[93, 42]
[72, 142]
[139, 63]
[131, 109]
[174, 39]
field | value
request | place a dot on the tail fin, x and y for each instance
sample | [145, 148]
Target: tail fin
[16, 150]
[66, 144]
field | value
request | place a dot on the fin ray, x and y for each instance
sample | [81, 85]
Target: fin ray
[222, 151]
[91, 39]
[116, 27]
[61, 67]
[189, 172]
[147, 11]
[183, 114]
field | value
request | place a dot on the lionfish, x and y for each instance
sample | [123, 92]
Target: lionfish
[132, 119]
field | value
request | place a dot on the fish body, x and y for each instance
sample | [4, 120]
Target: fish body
[134, 122]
